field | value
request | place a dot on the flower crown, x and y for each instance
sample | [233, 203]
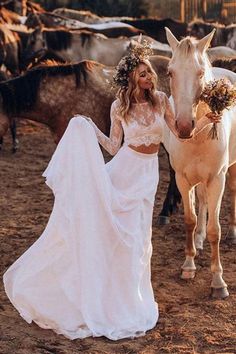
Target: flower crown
[140, 51]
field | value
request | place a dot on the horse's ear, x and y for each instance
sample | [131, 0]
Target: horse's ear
[204, 43]
[172, 40]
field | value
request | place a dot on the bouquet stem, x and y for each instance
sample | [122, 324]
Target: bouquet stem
[213, 133]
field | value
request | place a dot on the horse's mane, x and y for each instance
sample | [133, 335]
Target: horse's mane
[226, 63]
[199, 21]
[8, 15]
[6, 34]
[85, 36]
[58, 39]
[20, 94]
[33, 6]
[186, 46]
[80, 12]
[232, 25]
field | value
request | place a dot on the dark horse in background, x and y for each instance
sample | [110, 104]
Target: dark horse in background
[12, 122]
[224, 35]
[156, 28]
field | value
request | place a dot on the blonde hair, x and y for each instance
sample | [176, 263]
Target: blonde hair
[131, 92]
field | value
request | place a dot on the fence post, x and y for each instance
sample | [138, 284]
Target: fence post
[182, 10]
[204, 9]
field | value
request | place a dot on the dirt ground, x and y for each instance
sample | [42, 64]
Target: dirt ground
[190, 321]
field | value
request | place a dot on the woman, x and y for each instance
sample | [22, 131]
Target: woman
[89, 272]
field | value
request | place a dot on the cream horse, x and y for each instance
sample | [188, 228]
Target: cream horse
[200, 160]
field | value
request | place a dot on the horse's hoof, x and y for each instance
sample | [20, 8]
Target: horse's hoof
[219, 293]
[187, 274]
[14, 150]
[163, 220]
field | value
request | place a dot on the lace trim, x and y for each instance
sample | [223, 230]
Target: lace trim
[144, 140]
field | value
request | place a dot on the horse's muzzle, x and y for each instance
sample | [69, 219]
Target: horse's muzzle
[184, 128]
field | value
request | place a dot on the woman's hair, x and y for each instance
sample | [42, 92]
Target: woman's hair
[131, 92]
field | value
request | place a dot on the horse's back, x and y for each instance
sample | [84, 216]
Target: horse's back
[220, 73]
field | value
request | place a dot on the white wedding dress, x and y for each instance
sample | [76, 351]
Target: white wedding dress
[88, 274]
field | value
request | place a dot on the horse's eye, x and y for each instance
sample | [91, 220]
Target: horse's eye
[201, 74]
[169, 73]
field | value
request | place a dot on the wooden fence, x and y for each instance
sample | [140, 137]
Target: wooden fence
[208, 10]
[185, 10]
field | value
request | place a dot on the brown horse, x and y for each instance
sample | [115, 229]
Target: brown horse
[74, 46]
[52, 94]
[9, 50]
[12, 124]
[80, 15]
[52, 20]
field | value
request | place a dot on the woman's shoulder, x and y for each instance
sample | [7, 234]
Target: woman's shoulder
[160, 97]
[160, 94]
[116, 103]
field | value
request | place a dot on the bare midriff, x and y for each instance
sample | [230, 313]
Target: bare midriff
[150, 149]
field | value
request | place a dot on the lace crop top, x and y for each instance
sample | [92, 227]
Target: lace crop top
[144, 127]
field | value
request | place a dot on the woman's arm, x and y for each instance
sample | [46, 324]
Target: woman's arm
[113, 142]
[200, 124]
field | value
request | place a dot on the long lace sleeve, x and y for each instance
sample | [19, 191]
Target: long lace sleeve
[170, 120]
[113, 142]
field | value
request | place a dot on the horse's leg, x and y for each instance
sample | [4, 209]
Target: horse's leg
[200, 234]
[1, 142]
[215, 190]
[231, 181]
[190, 218]
[172, 199]
[15, 141]
[4, 125]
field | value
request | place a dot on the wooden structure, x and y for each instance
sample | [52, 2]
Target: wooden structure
[208, 10]
[185, 10]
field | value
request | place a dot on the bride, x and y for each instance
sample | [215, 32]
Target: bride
[88, 274]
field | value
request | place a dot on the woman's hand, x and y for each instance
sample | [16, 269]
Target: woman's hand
[214, 117]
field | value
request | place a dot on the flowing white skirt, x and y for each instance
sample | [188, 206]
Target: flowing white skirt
[89, 272]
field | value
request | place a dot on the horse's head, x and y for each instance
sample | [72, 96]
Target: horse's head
[189, 69]
[36, 45]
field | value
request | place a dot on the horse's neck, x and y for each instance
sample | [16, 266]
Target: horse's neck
[202, 109]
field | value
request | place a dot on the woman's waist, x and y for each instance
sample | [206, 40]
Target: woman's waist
[144, 149]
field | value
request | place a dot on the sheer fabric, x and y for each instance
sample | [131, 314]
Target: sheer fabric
[89, 272]
[145, 124]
